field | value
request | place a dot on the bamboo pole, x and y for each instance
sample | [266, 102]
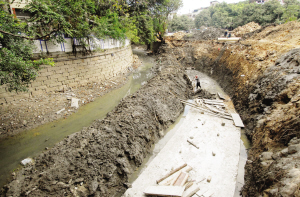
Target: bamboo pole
[170, 173]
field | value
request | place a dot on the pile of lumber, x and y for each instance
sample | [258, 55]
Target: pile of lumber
[176, 183]
[211, 107]
[249, 27]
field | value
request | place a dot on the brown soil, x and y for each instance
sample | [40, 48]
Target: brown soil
[261, 73]
[98, 160]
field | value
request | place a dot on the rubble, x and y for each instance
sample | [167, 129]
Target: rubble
[242, 30]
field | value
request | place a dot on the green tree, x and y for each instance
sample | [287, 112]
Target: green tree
[203, 19]
[182, 23]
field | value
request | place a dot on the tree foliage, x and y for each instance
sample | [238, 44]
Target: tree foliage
[225, 15]
[181, 23]
[52, 20]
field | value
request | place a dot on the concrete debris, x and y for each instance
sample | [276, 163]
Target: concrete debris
[27, 161]
[74, 103]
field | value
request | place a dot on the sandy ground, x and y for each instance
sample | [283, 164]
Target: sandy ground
[203, 130]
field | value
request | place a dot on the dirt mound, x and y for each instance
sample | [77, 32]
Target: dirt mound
[209, 33]
[98, 160]
[241, 30]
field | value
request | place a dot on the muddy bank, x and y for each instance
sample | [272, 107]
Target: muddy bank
[261, 73]
[28, 113]
[98, 160]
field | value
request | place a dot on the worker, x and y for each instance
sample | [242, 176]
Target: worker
[197, 82]
[159, 37]
[225, 34]
[229, 35]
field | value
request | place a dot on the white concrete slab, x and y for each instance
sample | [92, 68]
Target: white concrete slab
[222, 168]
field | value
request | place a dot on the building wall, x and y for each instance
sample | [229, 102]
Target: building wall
[71, 71]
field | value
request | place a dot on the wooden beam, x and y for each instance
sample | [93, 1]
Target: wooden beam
[180, 181]
[237, 120]
[170, 173]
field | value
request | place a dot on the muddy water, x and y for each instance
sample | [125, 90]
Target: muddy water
[31, 143]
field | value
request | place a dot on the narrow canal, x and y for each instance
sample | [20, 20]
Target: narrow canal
[32, 142]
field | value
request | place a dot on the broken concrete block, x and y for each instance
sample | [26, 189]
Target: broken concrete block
[26, 161]
[74, 103]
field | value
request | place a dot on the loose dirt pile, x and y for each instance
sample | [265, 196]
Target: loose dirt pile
[242, 30]
[262, 75]
[98, 160]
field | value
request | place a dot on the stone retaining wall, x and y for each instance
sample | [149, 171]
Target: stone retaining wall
[71, 71]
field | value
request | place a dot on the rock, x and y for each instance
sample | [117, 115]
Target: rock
[191, 137]
[293, 149]
[74, 103]
[223, 124]
[78, 180]
[24, 122]
[276, 155]
[284, 152]
[266, 163]
[266, 156]
[93, 186]
[288, 189]
[213, 154]
[218, 134]
[293, 141]
[27, 161]
[273, 191]
[208, 179]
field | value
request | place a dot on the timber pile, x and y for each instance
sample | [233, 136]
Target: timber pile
[176, 183]
[211, 107]
[241, 30]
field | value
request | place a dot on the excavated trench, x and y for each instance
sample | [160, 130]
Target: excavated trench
[267, 98]
[98, 160]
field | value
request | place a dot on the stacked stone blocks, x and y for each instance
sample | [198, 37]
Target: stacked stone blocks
[71, 71]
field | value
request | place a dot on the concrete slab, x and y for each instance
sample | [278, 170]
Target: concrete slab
[222, 168]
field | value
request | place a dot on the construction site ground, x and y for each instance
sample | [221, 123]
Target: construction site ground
[260, 74]
[214, 164]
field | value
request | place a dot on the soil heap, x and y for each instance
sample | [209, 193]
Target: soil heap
[240, 31]
[98, 160]
[262, 75]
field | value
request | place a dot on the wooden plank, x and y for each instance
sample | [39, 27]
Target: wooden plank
[164, 190]
[214, 101]
[237, 120]
[221, 96]
[170, 173]
[193, 192]
[181, 179]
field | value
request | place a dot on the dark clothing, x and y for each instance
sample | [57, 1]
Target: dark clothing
[198, 83]
[225, 34]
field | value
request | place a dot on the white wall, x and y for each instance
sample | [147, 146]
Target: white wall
[44, 46]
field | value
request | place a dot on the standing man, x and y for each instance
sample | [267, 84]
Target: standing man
[197, 82]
